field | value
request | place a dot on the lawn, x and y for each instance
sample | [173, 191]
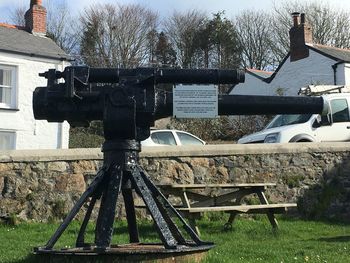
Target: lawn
[251, 240]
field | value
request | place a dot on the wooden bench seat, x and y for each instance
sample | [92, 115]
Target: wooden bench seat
[194, 213]
[198, 198]
[256, 209]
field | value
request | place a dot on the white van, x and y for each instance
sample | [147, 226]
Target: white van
[334, 126]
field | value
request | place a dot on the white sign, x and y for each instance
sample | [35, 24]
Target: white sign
[195, 101]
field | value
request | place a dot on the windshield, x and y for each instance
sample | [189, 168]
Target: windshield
[288, 119]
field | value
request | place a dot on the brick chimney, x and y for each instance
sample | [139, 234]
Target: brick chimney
[299, 35]
[35, 18]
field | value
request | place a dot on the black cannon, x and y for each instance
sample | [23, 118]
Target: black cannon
[128, 101]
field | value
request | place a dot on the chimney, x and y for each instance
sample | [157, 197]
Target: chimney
[35, 18]
[299, 35]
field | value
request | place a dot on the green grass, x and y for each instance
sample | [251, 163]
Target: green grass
[250, 240]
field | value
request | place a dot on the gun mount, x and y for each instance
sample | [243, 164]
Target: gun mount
[128, 102]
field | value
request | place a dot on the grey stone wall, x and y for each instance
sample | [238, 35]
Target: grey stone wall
[44, 184]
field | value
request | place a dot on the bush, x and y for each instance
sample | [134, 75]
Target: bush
[85, 140]
[89, 137]
[223, 128]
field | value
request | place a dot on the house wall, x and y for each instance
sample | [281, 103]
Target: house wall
[31, 133]
[315, 69]
[251, 86]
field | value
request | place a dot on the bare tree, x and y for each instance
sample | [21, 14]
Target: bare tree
[62, 27]
[254, 34]
[182, 29]
[117, 35]
[330, 25]
[17, 15]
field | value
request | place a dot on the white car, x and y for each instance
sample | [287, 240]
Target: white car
[335, 126]
[171, 137]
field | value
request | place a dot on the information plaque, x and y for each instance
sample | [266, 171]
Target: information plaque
[195, 101]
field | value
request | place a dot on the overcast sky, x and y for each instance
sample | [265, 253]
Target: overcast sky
[165, 7]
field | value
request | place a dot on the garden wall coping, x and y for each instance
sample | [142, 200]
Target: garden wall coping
[174, 151]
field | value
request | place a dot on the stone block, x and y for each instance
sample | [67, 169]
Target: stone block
[60, 167]
[83, 166]
[70, 183]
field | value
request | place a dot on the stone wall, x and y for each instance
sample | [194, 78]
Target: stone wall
[44, 184]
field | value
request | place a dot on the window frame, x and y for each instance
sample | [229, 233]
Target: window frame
[13, 87]
[13, 138]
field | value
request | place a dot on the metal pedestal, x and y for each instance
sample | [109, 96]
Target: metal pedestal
[121, 174]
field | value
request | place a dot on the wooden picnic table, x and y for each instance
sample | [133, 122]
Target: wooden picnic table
[199, 198]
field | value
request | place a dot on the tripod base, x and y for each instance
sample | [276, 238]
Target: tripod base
[124, 253]
[121, 174]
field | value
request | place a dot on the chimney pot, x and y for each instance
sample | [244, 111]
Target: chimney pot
[300, 34]
[35, 2]
[295, 16]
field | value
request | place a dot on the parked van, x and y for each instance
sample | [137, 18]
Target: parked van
[335, 126]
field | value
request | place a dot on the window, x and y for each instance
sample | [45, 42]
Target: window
[7, 140]
[187, 139]
[163, 138]
[7, 87]
[288, 119]
[340, 110]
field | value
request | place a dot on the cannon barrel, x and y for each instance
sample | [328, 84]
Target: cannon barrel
[91, 109]
[85, 93]
[167, 75]
[253, 105]
[256, 105]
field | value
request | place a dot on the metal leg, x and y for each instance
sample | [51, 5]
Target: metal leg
[105, 220]
[163, 207]
[81, 236]
[193, 234]
[162, 227]
[172, 226]
[88, 193]
[130, 215]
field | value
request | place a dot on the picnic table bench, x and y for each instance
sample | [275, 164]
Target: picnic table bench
[199, 198]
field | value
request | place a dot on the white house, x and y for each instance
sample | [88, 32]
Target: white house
[24, 53]
[254, 83]
[306, 64]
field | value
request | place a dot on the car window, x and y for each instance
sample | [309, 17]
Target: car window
[163, 137]
[288, 119]
[340, 110]
[187, 139]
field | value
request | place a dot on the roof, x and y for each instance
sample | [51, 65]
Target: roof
[16, 40]
[259, 73]
[338, 54]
